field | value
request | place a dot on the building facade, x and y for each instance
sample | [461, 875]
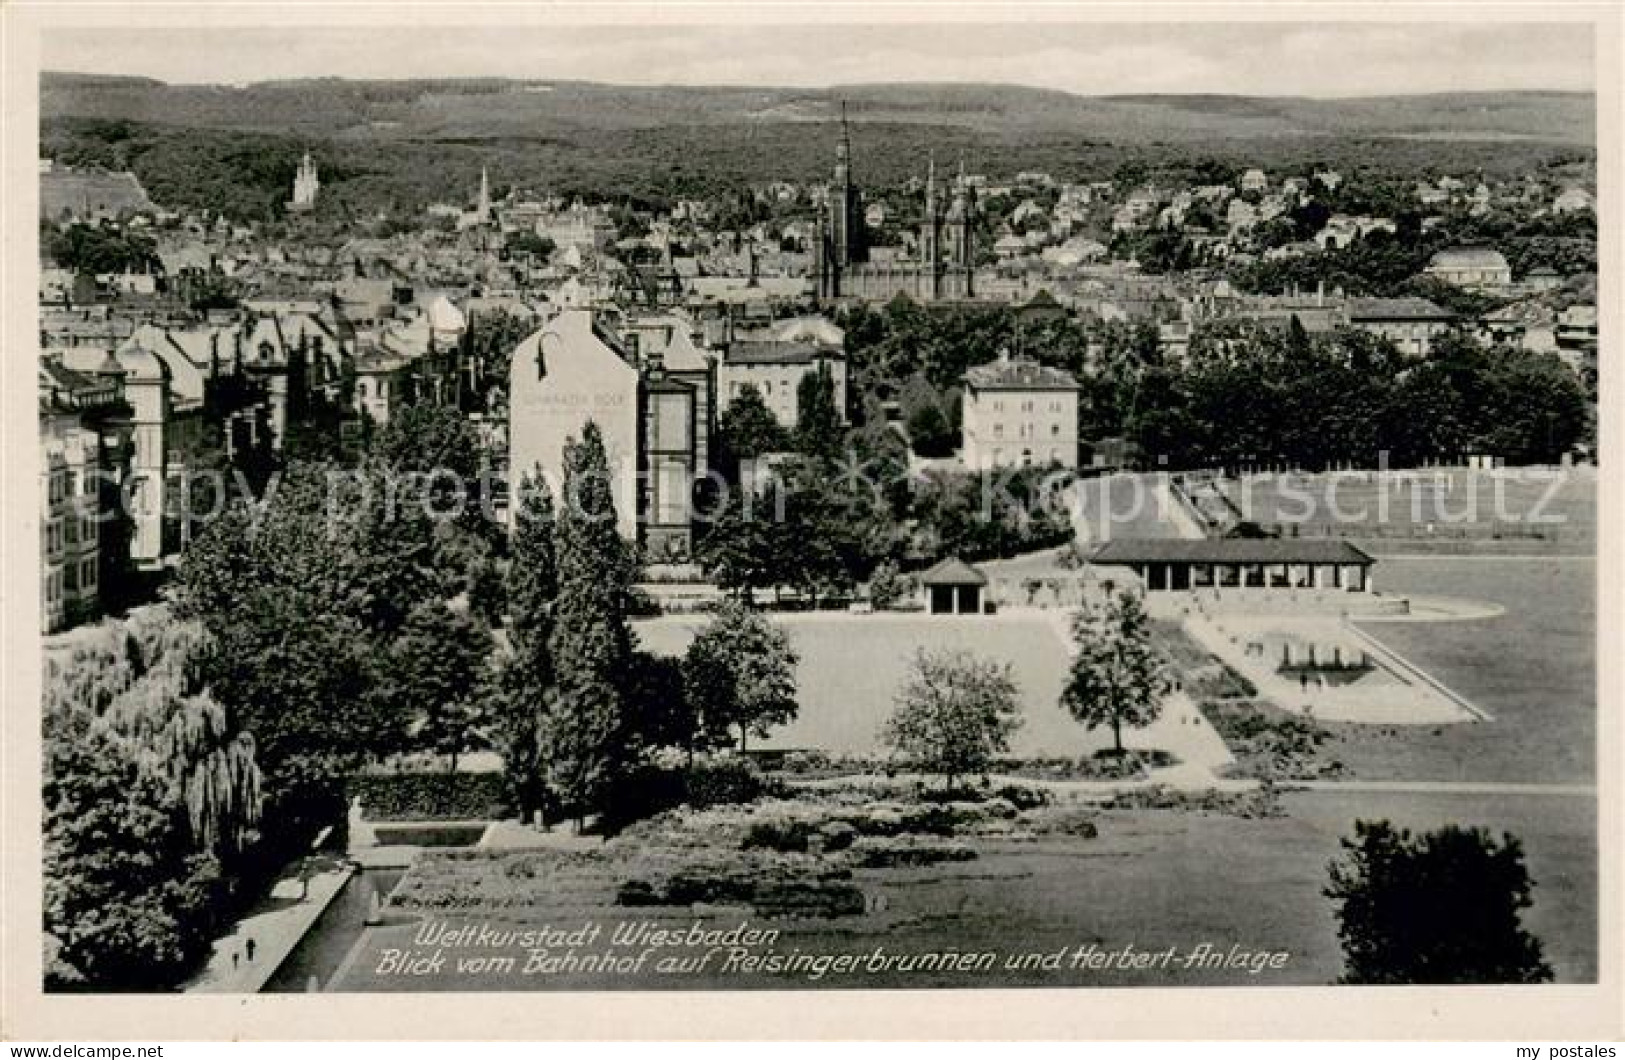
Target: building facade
[1018, 413]
[1473, 268]
[775, 363]
[576, 369]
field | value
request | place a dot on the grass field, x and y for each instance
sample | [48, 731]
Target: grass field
[1533, 669]
[1540, 508]
[1152, 879]
[852, 666]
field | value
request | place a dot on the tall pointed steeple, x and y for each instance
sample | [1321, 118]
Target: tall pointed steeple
[484, 206]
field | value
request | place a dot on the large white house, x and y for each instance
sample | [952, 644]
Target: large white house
[1018, 412]
[1473, 268]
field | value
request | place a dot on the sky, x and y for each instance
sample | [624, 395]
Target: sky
[1318, 59]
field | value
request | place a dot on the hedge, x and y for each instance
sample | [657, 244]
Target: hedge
[430, 796]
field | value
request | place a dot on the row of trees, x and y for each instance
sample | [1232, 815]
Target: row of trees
[579, 708]
[820, 508]
[1246, 391]
[956, 712]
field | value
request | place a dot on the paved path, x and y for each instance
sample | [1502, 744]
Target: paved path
[1446, 787]
[275, 925]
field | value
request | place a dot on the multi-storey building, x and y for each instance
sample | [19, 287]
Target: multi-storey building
[574, 370]
[79, 473]
[774, 361]
[1017, 412]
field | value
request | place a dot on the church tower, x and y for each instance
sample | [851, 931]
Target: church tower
[931, 237]
[305, 186]
[848, 228]
[959, 226]
[483, 206]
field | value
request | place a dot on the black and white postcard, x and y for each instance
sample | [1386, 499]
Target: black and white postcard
[617, 510]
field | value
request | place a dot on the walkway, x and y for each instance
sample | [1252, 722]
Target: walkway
[1180, 729]
[274, 927]
[1445, 787]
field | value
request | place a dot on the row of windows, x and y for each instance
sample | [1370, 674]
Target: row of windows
[1028, 456]
[1028, 406]
[1026, 430]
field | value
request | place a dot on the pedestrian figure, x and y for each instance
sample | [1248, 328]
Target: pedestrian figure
[250, 948]
[234, 956]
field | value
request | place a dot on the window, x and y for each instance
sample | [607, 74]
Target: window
[998, 430]
[671, 423]
[1055, 430]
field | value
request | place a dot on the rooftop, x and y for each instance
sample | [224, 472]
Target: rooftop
[1468, 257]
[953, 571]
[1397, 309]
[1018, 374]
[752, 351]
[1229, 550]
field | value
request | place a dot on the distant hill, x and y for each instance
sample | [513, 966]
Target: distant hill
[463, 109]
[395, 146]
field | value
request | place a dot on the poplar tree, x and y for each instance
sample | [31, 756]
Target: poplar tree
[524, 678]
[585, 731]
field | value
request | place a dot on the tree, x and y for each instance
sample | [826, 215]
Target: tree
[742, 546]
[657, 707]
[524, 679]
[954, 713]
[434, 673]
[1117, 677]
[127, 899]
[301, 593]
[1441, 907]
[740, 674]
[433, 453]
[151, 794]
[591, 643]
[818, 421]
[748, 429]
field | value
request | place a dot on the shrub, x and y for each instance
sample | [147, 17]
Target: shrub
[827, 898]
[1070, 821]
[1022, 797]
[907, 852]
[1260, 802]
[838, 836]
[784, 834]
[430, 796]
[723, 781]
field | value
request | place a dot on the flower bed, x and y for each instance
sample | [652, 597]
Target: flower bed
[1270, 743]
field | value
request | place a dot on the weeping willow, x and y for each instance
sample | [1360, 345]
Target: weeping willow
[140, 682]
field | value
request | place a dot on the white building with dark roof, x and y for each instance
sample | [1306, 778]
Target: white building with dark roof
[1473, 268]
[1411, 324]
[775, 360]
[1018, 412]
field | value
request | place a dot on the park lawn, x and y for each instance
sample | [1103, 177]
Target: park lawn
[1559, 837]
[853, 665]
[1533, 669]
[1151, 879]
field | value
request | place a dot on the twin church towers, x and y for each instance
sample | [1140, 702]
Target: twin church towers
[944, 267]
